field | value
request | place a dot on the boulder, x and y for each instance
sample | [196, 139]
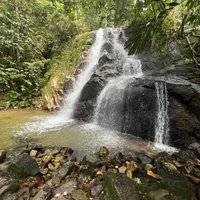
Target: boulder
[118, 187]
[23, 166]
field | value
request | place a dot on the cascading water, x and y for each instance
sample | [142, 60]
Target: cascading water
[161, 139]
[109, 104]
[64, 116]
[162, 120]
[71, 99]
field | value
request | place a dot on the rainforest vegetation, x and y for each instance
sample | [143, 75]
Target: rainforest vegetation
[40, 37]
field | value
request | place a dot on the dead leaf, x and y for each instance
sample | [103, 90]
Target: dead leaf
[99, 173]
[194, 179]
[152, 174]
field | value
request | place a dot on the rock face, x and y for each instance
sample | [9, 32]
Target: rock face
[135, 109]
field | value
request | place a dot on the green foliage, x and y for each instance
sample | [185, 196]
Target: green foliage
[160, 21]
[31, 32]
[64, 65]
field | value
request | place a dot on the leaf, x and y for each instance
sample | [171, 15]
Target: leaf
[7, 104]
[152, 174]
[194, 179]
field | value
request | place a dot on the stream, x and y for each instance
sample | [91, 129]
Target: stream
[83, 138]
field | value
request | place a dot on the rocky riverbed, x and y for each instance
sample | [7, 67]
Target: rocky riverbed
[39, 172]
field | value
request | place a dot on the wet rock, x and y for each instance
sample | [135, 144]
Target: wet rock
[8, 185]
[104, 152]
[64, 152]
[91, 158]
[144, 159]
[160, 194]
[51, 151]
[55, 181]
[67, 187]
[4, 184]
[79, 195]
[72, 158]
[50, 167]
[42, 194]
[170, 167]
[65, 170]
[184, 155]
[122, 169]
[9, 196]
[46, 159]
[195, 147]
[44, 171]
[118, 159]
[23, 166]
[148, 167]
[33, 153]
[96, 190]
[85, 176]
[118, 187]
[2, 156]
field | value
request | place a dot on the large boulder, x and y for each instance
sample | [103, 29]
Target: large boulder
[119, 187]
[23, 166]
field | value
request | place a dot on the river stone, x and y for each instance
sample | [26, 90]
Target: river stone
[96, 190]
[33, 153]
[2, 156]
[104, 152]
[118, 187]
[65, 170]
[144, 159]
[160, 194]
[23, 165]
[68, 186]
[85, 176]
[79, 195]
[91, 158]
[43, 194]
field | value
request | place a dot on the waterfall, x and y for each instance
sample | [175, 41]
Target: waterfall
[162, 120]
[109, 106]
[65, 115]
[71, 98]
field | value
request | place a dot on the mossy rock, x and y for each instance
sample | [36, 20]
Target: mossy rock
[23, 166]
[119, 187]
[62, 67]
[172, 186]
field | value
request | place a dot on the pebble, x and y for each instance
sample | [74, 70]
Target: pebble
[33, 153]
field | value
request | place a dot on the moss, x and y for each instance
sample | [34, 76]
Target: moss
[171, 186]
[110, 189]
[64, 65]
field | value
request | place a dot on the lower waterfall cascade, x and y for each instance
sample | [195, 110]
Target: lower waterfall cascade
[108, 111]
[162, 119]
[110, 100]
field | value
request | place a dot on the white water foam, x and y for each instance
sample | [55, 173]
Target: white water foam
[162, 120]
[110, 100]
[65, 116]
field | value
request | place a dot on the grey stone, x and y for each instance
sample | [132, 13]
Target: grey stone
[23, 166]
[69, 185]
[119, 187]
[91, 158]
[42, 194]
[79, 195]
